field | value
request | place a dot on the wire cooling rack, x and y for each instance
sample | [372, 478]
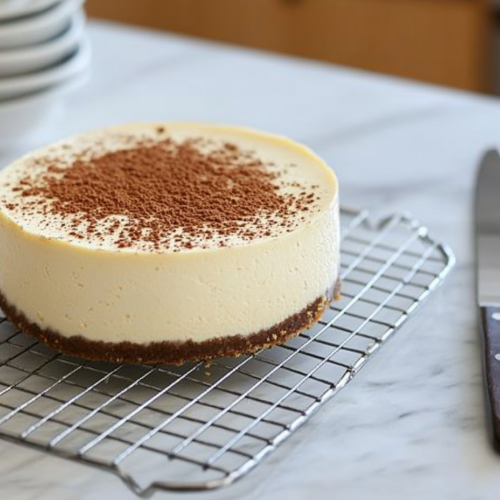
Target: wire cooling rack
[197, 428]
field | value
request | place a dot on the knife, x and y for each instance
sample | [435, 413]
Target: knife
[487, 221]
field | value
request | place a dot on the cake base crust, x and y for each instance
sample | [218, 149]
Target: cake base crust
[170, 352]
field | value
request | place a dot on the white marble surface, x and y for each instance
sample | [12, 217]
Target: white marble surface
[412, 424]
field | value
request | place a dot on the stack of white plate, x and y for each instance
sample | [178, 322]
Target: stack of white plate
[44, 55]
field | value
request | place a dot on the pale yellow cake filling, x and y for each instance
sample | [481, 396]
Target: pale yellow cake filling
[92, 288]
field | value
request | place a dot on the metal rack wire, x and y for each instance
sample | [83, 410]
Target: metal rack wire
[212, 426]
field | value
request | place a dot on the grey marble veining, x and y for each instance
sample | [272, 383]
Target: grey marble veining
[412, 424]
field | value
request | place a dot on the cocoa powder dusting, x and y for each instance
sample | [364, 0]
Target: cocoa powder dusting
[162, 191]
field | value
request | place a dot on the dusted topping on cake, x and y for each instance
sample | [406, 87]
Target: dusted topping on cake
[156, 192]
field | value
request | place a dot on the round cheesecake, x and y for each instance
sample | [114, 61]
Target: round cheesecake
[164, 243]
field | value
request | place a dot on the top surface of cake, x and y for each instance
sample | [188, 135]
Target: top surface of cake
[167, 188]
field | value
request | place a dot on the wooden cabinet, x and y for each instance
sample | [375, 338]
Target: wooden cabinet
[440, 41]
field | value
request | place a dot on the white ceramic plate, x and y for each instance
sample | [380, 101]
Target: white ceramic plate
[29, 59]
[17, 8]
[20, 118]
[16, 86]
[38, 28]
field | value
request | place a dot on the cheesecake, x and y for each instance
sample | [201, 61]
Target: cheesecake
[163, 243]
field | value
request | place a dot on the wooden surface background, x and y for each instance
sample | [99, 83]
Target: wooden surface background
[439, 41]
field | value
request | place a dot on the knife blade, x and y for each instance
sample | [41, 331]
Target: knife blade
[487, 223]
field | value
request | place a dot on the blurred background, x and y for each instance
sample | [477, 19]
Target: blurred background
[46, 52]
[446, 42]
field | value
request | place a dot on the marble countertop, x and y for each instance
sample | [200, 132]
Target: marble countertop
[412, 424]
